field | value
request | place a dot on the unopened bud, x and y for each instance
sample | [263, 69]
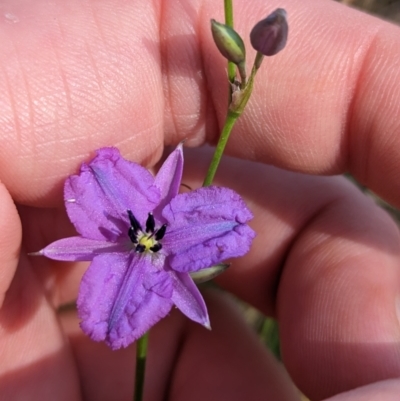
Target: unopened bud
[228, 41]
[269, 36]
[208, 273]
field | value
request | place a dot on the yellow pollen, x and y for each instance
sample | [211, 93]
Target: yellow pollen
[147, 242]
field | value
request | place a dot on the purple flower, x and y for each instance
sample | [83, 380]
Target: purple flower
[143, 239]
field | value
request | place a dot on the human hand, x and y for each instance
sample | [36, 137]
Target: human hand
[79, 76]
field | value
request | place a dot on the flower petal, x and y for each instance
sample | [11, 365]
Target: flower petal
[205, 227]
[78, 248]
[168, 178]
[188, 299]
[98, 198]
[121, 297]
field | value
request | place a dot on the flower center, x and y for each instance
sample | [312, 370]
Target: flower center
[148, 240]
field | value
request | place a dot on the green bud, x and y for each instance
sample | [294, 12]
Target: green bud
[208, 273]
[269, 36]
[228, 41]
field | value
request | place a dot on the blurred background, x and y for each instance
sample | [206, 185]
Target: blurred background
[388, 9]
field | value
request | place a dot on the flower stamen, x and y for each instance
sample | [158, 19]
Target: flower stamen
[145, 241]
[159, 234]
[135, 225]
[150, 224]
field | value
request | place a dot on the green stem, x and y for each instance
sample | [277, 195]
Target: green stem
[235, 110]
[237, 101]
[223, 139]
[141, 354]
[228, 9]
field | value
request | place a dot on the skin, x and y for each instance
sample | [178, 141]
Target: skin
[79, 75]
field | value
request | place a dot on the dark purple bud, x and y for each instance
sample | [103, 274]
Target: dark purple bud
[269, 36]
[228, 41]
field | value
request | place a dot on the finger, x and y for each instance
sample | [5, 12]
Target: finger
[10, 240]
[91, 74]
[387, 390]
[87, 77]
[257, 374]
[35, 360]
[186, 361]
[315, 106]
[326, 262]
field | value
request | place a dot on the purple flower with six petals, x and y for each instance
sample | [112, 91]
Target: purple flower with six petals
[143, 239]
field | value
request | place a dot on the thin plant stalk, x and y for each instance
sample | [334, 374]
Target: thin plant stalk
[219, 150]
[141, 355]
[228, 9]
[234, 112]
[230, 118]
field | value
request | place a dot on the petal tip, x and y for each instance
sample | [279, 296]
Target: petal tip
[38, 253]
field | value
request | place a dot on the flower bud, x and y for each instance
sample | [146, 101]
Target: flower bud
[228, 41]
[269, 36]
[208, 273]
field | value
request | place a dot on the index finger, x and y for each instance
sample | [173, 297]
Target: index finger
[330, 101]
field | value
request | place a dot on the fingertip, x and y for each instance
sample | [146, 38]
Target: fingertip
[228, 362]
[337, 300]
[387, 390]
